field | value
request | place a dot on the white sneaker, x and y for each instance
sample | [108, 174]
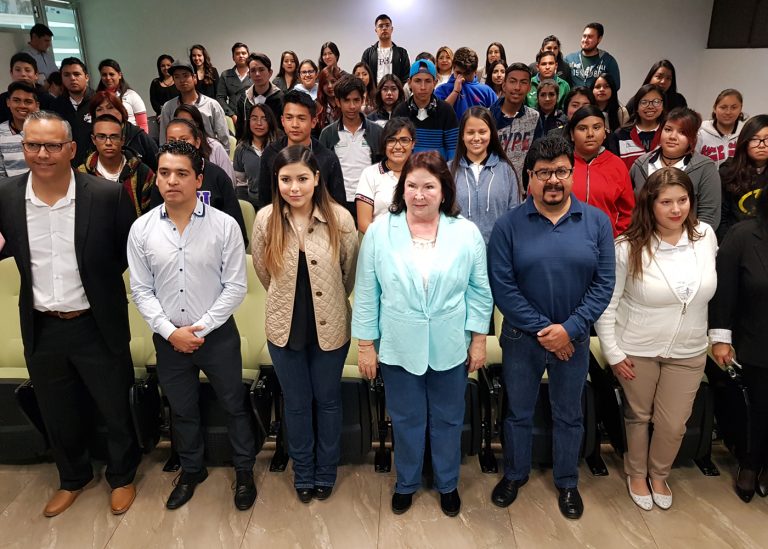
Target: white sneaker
[644, 502]
[662, 500]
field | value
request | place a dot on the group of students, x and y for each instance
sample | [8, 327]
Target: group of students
[468, 198]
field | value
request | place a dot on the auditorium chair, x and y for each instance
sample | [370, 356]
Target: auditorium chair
[249, 216]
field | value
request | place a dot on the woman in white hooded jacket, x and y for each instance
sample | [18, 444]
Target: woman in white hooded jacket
[654, 331]
[717, 137]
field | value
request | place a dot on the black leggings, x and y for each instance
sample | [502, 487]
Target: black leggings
[756, 380]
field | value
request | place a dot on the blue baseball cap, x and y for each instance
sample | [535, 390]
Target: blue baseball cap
[423, 66]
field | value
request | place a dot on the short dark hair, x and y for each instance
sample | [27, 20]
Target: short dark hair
[597, 26]
[40, 30]
[300, 98]
[238, 45]
[382, 17]
[542, 54]
[262, 58]
[392, 127]
[518, 67]
[547, 148]
[182, 148]
[23, 57]
[435, 164]
[55, 78]
[22, 86]
[106, 118]
[67, 61]
[465, 59]
[348, 84]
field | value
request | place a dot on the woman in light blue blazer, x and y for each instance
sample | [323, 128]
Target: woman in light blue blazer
[422, 300]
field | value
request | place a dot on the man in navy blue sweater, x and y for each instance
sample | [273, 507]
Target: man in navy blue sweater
[551, 269]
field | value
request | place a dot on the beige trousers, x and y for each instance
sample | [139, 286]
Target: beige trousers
[662, 393]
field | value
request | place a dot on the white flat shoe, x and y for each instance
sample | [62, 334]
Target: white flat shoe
[644, 502]
[662, 500]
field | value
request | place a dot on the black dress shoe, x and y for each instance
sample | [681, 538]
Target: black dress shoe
[185, 488]
[505, 492]
[305, 494]
[323, 492]
[450, 503]
[570, 503]
[401, 503]
[245, 490]
[746, 494]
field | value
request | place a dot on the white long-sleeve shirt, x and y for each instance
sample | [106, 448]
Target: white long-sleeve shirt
[197, 278]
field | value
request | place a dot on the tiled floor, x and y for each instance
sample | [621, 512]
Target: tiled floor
[706, 513]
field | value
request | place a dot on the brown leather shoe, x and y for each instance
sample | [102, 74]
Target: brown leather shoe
[122, 498]
[60, 502]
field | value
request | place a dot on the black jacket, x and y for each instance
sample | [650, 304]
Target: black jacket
[217, 191]
[138, 142]
[103, 216]
[401, 64]
[740, 303]
[330, 171]
[243, 106]
[80, 120]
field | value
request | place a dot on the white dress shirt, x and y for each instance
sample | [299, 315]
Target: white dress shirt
[56, 283]
[196, 278]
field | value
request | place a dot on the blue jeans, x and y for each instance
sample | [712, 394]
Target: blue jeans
[311, 382]
[524, 361]
[412, 401]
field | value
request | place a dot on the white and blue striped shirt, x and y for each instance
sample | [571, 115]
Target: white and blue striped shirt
[11, 152]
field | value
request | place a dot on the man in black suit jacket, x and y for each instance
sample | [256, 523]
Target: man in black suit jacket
[67, 232]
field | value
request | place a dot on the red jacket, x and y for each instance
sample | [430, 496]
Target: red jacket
[605, 184]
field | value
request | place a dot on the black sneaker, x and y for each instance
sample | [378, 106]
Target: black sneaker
[323, 492]
[305, 494]
[245, 490]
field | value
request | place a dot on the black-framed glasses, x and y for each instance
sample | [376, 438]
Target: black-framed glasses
[546, 174]
[755, 142]
[402, 141]
[49, 147]
[112, 137]
[654, 102]
[307, 73]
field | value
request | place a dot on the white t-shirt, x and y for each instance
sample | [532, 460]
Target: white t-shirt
[385, 63]
[133, 105]
[376, 187]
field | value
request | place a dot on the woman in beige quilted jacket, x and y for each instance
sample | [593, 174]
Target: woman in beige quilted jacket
[305, 252]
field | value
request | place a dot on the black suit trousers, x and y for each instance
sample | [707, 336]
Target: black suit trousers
[179, 375]
[72, 370]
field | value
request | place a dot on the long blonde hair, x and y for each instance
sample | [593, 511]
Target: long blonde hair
[274, 249]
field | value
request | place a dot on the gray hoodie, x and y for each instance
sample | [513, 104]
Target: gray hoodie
[483, 202]
[704, 176]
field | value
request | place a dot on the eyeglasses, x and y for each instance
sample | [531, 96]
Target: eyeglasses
[307, 73]
[258, 119]
[545, 174]
[112, 137]
[755, 142]
[654, 102]
[402, 141]
[49, 147]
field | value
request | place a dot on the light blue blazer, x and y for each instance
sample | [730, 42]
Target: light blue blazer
[413, 329]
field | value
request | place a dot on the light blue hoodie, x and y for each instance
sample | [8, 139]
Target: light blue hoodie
[483, 202]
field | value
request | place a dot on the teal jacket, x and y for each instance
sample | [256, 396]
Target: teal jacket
[410, 328]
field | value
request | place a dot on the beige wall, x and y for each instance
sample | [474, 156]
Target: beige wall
[637, 35]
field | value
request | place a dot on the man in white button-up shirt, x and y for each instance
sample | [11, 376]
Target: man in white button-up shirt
[67, 232]
[187, 263]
